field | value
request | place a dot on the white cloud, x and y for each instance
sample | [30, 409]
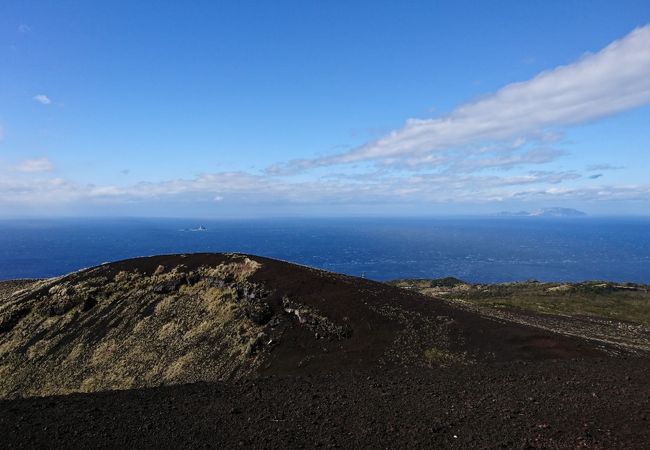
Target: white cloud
[599, 167]
[615, 79]
[43, 99]
[595, 193]
[35, 165]
[240, 189]
[248, 188]
[22, 28]
[461, 157]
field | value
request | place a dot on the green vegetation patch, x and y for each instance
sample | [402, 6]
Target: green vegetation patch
[627, 302]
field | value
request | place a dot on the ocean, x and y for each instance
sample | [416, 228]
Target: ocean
[479, 250]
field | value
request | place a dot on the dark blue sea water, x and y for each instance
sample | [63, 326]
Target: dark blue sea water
[476, 250]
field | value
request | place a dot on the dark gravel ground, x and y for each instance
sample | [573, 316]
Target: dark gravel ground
[586, 403]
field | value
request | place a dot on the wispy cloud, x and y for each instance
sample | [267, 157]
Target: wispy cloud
[600, 167]
[612, 80]
[467, 156]
[241, 186]
[43, 99]
[22, 28]
[600, 193]
[505, 160]
[236, 189]
[35, 165]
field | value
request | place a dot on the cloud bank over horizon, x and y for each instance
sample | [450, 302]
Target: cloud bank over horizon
[493, 150]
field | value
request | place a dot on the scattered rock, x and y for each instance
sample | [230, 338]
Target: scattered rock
[169, 286]
[10, 319]
[192, 278]
[259, 313]
[88, 304]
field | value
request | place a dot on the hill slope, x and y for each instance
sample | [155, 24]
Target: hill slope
[295, 357]
[600, 311]
[215, 317]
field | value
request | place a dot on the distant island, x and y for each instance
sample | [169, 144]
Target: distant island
[545, 212]
[199, 228]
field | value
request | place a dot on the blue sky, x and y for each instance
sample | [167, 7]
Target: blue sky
[323, 108]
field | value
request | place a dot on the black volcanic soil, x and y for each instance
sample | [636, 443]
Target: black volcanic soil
[288, 356]
[593, 403]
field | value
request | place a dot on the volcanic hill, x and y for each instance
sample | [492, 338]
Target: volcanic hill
[207, 317]
[231, 350]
